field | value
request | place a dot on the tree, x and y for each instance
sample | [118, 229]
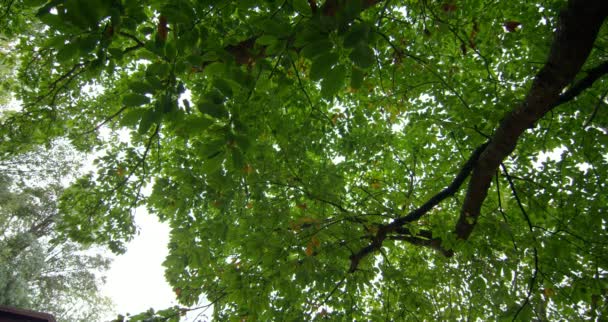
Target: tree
[39, 269]
[338, 159]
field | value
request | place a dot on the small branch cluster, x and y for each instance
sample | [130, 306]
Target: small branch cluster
[577, 30]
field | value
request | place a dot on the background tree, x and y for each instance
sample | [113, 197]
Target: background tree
[311, 156]
[39, 269]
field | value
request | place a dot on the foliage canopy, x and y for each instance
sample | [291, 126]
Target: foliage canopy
[39, 269]
[335, 159]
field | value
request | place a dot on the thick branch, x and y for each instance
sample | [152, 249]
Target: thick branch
[434, 243]
[592, 75]
[443, 194]
[578, 26]
[421, 238]
[396, 225]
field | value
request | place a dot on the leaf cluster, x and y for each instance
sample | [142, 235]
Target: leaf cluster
[310, 156]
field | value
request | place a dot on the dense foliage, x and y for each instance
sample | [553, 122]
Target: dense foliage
[39, 269]
[342, 160]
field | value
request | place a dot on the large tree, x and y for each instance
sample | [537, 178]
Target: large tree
[39, 269]
[364, 159]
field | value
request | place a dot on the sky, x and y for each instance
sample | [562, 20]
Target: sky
[136, 281]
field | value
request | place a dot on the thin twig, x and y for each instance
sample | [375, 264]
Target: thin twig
[416, 214]
[333, 291]
[502, 212]
[105, 121]
[597, 107]
[300, 83]
[535, 250]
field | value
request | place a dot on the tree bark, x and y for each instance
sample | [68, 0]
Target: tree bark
[578, 26]
[577, 30]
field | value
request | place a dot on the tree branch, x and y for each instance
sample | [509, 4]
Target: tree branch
[535, 250]
[593, 74]
[577, 29]
[443, 194]
[132, 37]
[396, 224]
[600, 101]
[421, 238]
[579, 24]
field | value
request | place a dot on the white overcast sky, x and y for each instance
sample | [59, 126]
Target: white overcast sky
[136, 281]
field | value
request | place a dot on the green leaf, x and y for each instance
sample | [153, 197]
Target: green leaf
[266, 40]
[275, 48]
[170, 50]
[274, 27]
[317, 48]
[322, 65]
[351, 10]
[159, 70]
[131, 117]
[212, 109]
[214, 152]
[52, 21]
[166, 104]
[67, 52]
[34, 3]
[87, 44]
[178, 14]
[223, 86]
[135, 99]
[356, 78]
[308, 33]
[147, 30]
[357, 34]
[115, 53]
[211, 56]
[363, 56]
[196, 125]
[333, 82]
[155, 82]
[302, 7]
[215, 97]
[478, 285]
[237, 160]
[243, 142]
[215, 69]
[85, 14]
[141, 87]
[148, 118]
